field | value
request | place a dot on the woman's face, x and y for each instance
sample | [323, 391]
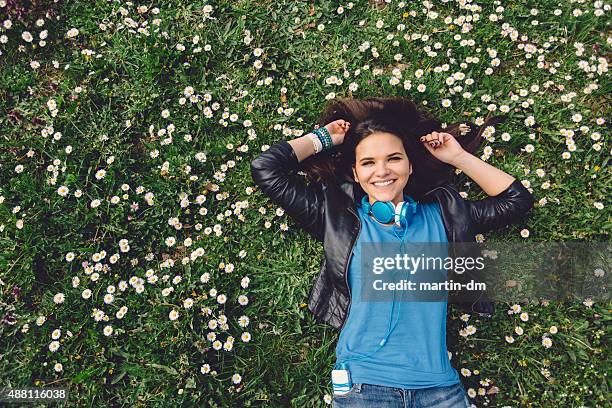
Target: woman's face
[382, 167]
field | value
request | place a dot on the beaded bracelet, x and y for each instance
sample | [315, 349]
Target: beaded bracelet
[324, 137]
[325, 132]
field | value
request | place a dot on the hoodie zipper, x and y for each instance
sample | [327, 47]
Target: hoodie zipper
[348, 308]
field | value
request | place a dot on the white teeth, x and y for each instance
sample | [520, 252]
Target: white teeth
[386, 183]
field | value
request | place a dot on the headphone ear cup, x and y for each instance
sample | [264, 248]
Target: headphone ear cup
[406, 211]
[383, 211]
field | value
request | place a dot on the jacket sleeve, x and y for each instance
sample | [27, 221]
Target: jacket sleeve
[508, 207]
[274, 171]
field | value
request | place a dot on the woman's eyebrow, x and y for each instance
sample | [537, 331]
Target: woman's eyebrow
[371, 158]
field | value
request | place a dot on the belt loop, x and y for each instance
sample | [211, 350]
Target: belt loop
[358, 387]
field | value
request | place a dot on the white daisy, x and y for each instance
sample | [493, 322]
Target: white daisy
[54, 346]
[63, 191]
[243, 321]
[108, 330]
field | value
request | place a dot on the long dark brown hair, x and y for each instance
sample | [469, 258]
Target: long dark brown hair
[400, 117]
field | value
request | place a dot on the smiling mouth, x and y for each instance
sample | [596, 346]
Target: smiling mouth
[384, 184]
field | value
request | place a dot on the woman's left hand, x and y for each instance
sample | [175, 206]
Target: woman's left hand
[443, 146]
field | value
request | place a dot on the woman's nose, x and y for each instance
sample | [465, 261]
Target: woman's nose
[382, 170]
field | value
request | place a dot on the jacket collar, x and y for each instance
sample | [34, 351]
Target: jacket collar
[352, 193]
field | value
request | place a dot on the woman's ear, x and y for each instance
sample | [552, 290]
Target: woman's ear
[354, 173]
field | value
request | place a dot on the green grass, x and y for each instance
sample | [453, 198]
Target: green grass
[150, 360]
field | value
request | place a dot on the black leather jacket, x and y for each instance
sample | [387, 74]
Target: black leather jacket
[329, 214]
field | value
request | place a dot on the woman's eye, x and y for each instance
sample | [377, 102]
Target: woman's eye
[369, 162]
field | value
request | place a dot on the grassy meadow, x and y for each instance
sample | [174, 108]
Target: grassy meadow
[139, 264]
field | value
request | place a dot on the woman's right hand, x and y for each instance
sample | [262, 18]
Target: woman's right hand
[337, 130]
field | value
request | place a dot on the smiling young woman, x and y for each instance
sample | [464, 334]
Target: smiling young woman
[382, 167]
[378, 167]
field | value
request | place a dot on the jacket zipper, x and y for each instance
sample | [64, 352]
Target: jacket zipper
[348, 308]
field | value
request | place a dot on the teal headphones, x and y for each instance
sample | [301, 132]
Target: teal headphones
[385, 212]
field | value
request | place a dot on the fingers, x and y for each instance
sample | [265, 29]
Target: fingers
[344, 125]
[434, 139]
[338, 125]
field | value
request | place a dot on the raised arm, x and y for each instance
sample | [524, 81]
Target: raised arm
[509, 200]
[275, 172]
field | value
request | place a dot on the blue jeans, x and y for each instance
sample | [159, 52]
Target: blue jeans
[377, 396]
